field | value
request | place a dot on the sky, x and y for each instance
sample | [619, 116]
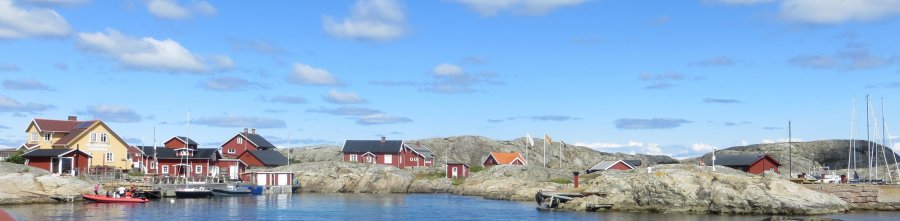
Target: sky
[677, 78]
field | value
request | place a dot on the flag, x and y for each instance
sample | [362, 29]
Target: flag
[563, 143]
[528, 140]
[548, 139]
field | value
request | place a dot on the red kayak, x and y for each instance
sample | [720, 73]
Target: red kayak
[104, 199]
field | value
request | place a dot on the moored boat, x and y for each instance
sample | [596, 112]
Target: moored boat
[231, 191]
[104, 199]
[193, 193]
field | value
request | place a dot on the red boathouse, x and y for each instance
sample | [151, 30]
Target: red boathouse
[457, 170]
[755, 164]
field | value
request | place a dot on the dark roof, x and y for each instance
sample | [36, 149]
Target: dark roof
[49, 152]
[374, 146]
[269, 157]
[47, 125]
[189, 140]
[167, 153]
[738, 160]
[422, 150]
[259, 141]
[636, 163]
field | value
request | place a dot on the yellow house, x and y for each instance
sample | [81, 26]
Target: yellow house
[93, 137]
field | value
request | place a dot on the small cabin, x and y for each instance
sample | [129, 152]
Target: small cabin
[610, 165]
[59, 161]
[269, 178]
[501, 158]
[750, 163]
[457, 170]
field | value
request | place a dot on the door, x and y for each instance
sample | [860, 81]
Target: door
[66, 165]
[54, 165]
[261, 179]
[233, 172]
[282, 179]
[387, 158]
[454, 174]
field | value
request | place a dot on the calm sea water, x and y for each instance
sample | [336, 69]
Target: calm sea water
[348, 207]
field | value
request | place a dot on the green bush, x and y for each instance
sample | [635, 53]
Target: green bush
[476, 168]
[16, 158]
[458, 181]
[561, 181]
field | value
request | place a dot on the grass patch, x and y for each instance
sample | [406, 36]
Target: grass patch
[560, 180]
[476, 168]
[431, 175]
[458, 181]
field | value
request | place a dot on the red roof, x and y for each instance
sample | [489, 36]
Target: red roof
[47, 125]
[506, 158]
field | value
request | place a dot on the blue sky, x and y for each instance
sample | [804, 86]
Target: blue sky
[667, 77]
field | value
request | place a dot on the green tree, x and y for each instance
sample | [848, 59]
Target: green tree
[16, 157]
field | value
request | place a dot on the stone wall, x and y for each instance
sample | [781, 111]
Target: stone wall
[863, 196]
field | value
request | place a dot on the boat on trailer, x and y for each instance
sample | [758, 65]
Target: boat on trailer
[104, 199]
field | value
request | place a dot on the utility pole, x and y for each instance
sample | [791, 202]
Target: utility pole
[790, 152]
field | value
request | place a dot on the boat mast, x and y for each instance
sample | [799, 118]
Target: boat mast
[790, 152]
[850, 154]
[887, 168]
[868, 142]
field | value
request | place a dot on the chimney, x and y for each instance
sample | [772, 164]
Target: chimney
[576, 179]
[253, 131]
[245, 130]
[73, 118]
[383, 139]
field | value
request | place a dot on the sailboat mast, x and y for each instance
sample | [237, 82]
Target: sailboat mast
[850, 151]
[868, 141]
[887, 168]
[790, 152]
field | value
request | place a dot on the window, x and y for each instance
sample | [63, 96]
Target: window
[165, 169]
[353, 157]
[47, 136]
[103, 138]
[109, 157]
[240, 140]
[414, 159]
[199, 169]
[369, 159]
[153, 164]
[231, 151]
[34, 136]
[388, 158]
[93, 137]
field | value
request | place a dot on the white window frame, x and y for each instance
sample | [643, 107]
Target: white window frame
[388, 158]
[231, 151]
[165, 169]
[103, 138]
[370, 159]
[34, 136]
[354, 157]
[109, 157]
[48, 136]
[198, 169]
[93, 137]
[240, 140]
[153, 164]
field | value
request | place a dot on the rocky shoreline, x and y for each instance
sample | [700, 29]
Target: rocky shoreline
[23, 184]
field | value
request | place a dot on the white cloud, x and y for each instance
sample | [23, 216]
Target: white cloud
[369, 20]
[222, 62]
[838, 11]
[632, 147]
[113, 113]
[381, 119]
[525, 7]
[702, 147]
[171, 9]
[145, 53]
[308, 75]
[336, 97]
[16, 22]
[782, 140]
[599, 146]
[447, 70]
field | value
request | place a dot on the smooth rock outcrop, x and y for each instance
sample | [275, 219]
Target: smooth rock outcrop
[36, 186]
[518, 183]
[346, 177]
[695, 189]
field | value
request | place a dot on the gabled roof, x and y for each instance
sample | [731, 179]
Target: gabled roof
[742, 159]
[421, 150]
[52, 153]
[269, 157]
[606, 164]
[167, 153]
[374, 146]
[134, 150]
[635, 163]
[28, 146]
[47, 125]
[186, 140]
[258, 141]
[80, 131]
[503, 158]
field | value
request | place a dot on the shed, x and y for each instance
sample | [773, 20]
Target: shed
[457, 170]
[501, 158]
[269, 178]
[59, 161]
[751, 163]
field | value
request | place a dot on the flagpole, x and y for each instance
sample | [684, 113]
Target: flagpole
[545, 151]
[560, 154]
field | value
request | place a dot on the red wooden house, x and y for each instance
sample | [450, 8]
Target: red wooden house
[457, 170]
[387, 152]
[610, 165]
[59, 161]
[755, 163]
[263, 158]
[247, 140]
[501, 158]
[180, 156]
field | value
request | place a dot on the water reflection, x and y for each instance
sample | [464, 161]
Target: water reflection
[348, 207]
